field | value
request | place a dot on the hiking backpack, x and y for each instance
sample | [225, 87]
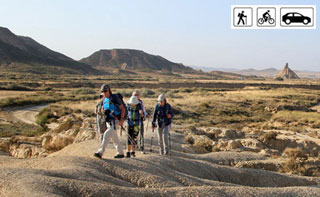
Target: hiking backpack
[118, 105]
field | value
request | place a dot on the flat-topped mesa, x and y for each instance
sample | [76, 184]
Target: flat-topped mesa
[287, 73]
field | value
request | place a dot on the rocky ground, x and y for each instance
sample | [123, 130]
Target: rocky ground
[204, 162]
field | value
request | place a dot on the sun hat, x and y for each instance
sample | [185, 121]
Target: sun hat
[161, 97]
[133, 100]
[135, 92]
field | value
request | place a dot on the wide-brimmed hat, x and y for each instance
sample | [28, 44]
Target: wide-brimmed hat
[161, 97]
[133, 100]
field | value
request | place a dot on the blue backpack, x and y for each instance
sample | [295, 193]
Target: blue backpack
[114, 100]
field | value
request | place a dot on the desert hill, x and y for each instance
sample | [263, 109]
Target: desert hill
[129, 59]
[268, 73]
[73, 172]
[23, 54]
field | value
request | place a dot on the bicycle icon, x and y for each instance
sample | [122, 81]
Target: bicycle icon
[266, 17]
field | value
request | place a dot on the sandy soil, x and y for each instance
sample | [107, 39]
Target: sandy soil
[73, 171]
[27, 114]
[317, 107]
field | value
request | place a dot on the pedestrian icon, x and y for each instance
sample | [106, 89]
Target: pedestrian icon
[266, 17]
[242, 17]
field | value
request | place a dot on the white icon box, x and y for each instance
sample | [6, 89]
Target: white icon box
[266, 17]
[297, 17]
[242, 17]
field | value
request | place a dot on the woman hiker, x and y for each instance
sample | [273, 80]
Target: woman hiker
[141, 131]
[163, 115]
[114, 111]
[135, 116]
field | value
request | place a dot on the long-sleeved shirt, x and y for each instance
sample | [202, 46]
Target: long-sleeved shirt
[160, 115]
[145, 113]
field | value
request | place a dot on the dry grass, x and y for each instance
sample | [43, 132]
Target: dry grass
[10, 94]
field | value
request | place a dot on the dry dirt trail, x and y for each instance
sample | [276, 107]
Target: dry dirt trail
[73, 171]
[317, 107]
[27, 114]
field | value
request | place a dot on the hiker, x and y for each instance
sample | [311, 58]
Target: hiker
[114, 111]
[146, 115]
[241, 16]
[101, 125]
[135, 116]
[163, 115]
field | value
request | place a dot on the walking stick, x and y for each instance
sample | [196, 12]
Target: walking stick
[169, 144]
[121, 130]
[151, 138]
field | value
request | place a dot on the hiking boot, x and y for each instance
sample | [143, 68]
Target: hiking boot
[128, 155]
[133, 154]
[97, 155]
[118, 156]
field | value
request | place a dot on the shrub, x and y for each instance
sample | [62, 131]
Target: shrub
[84, 91]
[267, 137]
[294, 166]
[189, 139]
[147, 92]
[16, 87]
[294, 153]
[204, 105]
[216, 149]
[203, 142]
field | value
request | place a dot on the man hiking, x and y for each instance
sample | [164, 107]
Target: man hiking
[114, 111]
[101, 124]
[146, 115]
[163, 115]
[135, 116]
[241, 18]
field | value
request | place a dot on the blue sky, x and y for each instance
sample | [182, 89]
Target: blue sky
[184, 31]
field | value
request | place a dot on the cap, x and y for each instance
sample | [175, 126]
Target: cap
[104, 87]
[161, 97]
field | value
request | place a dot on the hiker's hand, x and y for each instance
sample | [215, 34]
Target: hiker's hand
[154, 126]
[169, 116]
[141, 113]
[121, 122]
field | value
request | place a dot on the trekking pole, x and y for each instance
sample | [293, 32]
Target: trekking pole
[151, 138]
[121, 130]
[169, 143]
[147, 124]
[129, 138]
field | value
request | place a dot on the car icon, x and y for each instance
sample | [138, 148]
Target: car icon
[295, 17]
